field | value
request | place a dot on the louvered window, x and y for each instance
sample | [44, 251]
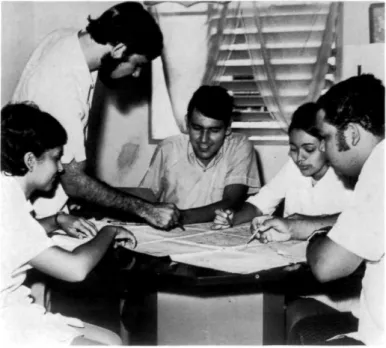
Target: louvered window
[300, 31]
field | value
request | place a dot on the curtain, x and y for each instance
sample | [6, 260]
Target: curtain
[289, 53]
[182, 65]
[223, 19]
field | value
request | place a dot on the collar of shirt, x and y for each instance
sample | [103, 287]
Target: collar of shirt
[193, 158]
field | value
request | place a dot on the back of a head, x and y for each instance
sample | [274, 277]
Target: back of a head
[128, 23]
[304, 118]
[213, 102]
[25, 128]
[359, 99]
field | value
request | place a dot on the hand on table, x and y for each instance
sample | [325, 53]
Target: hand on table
[270, 229]
[76, 227]
[223, 219]
[163, 215]
[124, 238]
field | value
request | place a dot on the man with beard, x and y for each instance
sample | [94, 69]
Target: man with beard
[58, 79]
[351, 121]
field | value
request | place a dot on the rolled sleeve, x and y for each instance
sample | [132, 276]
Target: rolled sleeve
[243, 167]
[360, 228]
[274, 192]
[69, 111]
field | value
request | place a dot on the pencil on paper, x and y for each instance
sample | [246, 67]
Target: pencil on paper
[181, 226]
[253, 236]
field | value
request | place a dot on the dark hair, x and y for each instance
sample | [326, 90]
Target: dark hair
[304, 118]
[213, 102]
[359, 99]
[128, 23]
[25, 128]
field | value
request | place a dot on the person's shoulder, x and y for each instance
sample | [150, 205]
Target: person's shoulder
[239, 137]
[174, 141]
[373, 172]
[173, 146]
[63, 32]
[238, 140]
[58, 36]
[9, 190]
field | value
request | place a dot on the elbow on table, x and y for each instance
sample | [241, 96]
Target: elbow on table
[75, 275]
[320, 273]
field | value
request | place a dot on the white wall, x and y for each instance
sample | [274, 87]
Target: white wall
[17, 42]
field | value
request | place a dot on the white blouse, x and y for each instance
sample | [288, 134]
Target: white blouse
[22, 239]
[328, 196]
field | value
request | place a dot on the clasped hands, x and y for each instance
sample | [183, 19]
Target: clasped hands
[268, 228]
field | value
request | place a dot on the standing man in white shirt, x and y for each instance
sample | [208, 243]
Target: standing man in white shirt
[351, 122]
[58, 79]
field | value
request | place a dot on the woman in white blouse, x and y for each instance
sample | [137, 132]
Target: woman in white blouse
[313, 194]
[31, 147]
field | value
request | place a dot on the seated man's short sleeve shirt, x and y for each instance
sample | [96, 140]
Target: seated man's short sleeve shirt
[176, 176]
[361, 230]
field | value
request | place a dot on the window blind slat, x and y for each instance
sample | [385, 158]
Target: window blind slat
[288, 37]
[252, 116]
[275, 53]
[274, 61]
[260, 132]
[272, 20]
[281, 71]
[248, 101]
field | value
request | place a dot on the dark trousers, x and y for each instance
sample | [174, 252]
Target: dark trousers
[319, 324]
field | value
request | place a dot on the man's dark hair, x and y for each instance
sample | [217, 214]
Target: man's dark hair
[213, 102]
[304, 118]
[128, 23]
[25, 128]
[359, 99]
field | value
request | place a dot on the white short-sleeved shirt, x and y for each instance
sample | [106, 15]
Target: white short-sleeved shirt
[176, 176]
[328, 196]
[58, 80]
[22, 239]
[361, 230]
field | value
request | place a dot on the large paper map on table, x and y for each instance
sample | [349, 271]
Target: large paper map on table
[224, 250]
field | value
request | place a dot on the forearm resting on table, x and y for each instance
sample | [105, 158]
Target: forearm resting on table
[49, 223]
[79, 185]
[233, 196]
[203, 214]
[74, 266]
[302, 228]
[247, 212]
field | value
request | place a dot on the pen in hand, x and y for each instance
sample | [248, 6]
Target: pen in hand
[253, 236]
[181, 226]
